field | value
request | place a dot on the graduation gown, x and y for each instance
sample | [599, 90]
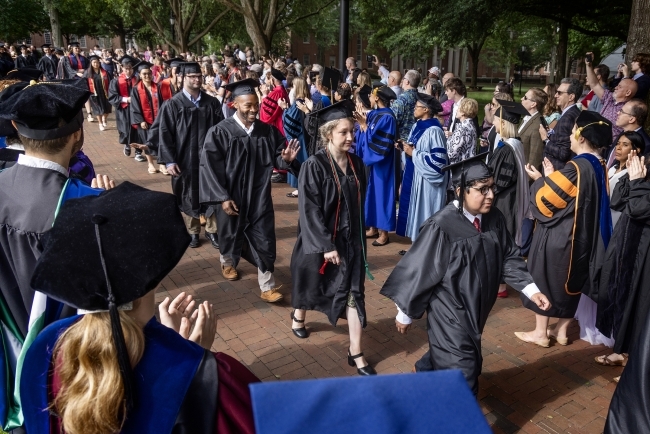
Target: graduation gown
[119, 88]
[207, 393]
[182, 131]
[317, 207]
[98, 85]
[623, 298]
[74, 65]
[25, 62]
[376, 146]
[424, 184]
[9, 157]
[571, 207]
[453, 272]
[167, 91]
[292, 120]
[48, 66]
[145, 106]
[270, 111]
[238, 167]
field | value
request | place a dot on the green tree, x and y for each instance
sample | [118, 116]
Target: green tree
[20, 18]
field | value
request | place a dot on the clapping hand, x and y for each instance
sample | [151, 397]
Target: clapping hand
[205, 327]
[102, 181]
[291, 151]
[360, 117]
[172, 313]
[283, 104]
[636, 166]
[532, 172]
[548, 167]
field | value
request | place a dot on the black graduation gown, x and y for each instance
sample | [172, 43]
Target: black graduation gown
[136, 113]
[623, 298]
[504, 165]
[48, 66]
[70, 71]
[25, 62]
[238, 167]
[567, 252]
[127, 134]
[28, 200]
[99, 102]
[8, 157]
[453, 273]
[183, 128]
[328, 292]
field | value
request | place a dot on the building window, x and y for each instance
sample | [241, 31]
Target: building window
[305, 59]
[27, 41]
[47, 37]
[359, 49]
[305, 39]
[332, 61]
[82, 42]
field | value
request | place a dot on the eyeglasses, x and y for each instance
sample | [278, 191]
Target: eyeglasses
[526, 98]
[421, 107]
[624, 112]
[560, 92]
[485, 189]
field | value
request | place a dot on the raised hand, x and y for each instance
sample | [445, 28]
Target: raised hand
[291, 151]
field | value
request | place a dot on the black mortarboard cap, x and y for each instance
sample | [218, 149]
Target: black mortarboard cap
[45, 46]
[189, 68]
[385, 93]
[38, 109]
[21, 46]
[173, 63]
[443, 401]
[340, 110]
[595, 128]
[430, 102]
[127, 59]
[73, 44]
[364, 93]
[143, 64]
[93, 57]
[330, 77]
[114, 248]
[24, 74]
[468, 170]
[510, 111]
[243, 87]
[277, 74]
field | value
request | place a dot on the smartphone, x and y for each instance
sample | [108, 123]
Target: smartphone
[300, 100]
[589, 58]
[400, 144]
[370, 59]
[542, 121]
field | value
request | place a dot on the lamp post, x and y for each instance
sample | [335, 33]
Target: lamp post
[521, 67]
[344, 33]
[172, 21]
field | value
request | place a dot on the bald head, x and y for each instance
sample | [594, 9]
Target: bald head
[350, 63]
[394, 78]
[625, 90]
[446, 77]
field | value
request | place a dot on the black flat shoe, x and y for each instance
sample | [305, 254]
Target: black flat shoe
[213, 239]
[302, 332]
[366, 370]
[378, 244]
[194, 243]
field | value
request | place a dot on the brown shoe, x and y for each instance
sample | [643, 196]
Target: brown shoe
[271, 296]
[229, 273]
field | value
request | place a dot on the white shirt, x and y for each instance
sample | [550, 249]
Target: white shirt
[453, 114]
[528, 291]
[241, 124]
[29, 161]
[526, 119]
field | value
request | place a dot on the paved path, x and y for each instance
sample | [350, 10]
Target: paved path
[523, 388]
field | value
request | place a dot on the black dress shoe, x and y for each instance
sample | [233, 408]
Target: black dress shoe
[213, 239]
[366, 370]
[302, 332]
[195, 241]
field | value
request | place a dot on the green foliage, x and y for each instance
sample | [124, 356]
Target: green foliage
[20, 18]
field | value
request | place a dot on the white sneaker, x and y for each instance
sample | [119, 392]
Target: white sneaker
[101, 127]
[90, 118]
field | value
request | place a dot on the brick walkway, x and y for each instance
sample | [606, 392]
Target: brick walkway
[523, 388]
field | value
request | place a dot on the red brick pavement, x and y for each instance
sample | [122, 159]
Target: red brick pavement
[523, 388]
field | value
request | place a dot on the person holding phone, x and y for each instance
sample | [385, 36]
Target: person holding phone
[534, 102]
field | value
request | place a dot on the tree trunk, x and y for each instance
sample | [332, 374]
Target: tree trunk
[261, 43]
[638, 37]
[562, 47]
[122, 36]
[55, 24]
[474, 51]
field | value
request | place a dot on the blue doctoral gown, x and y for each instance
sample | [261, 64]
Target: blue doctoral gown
[376, 147]
[429, 185]
[292, 121]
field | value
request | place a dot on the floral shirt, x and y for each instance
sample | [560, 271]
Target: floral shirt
[461, 145]
[610, 111]
[403, 109]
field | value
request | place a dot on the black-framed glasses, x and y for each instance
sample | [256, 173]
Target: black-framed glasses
[560, 92]
[485, 189]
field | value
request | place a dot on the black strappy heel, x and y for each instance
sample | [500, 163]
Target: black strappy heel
[302, 332]
[366, 370]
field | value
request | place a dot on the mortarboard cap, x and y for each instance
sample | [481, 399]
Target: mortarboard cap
[243, 87]
[438, 401]
[45, 46]
[189, 68]
[143, 64]
[340, 110]
[364, 93]
[173, 63]
[468, 170]
[595, 128]
[385, 93]
[277, 74]
[510, 111]
[127, 60]
[24, 74]
[430, 102]
[21, 46]
[38, 109]
[93, 57]
[330, 77]
[110, 259]
[73, 44]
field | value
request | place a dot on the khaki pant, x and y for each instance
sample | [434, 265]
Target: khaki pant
[193, 225]
[265, 280]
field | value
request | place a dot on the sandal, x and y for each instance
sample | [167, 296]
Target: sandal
[606, 361]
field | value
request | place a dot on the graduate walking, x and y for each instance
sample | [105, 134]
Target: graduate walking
[146, 100]
[98, 83]
[453, 270]
[235, 177]
[375, 141]
[49, 63]
[119, 95]
[183, 124]
[328, 264]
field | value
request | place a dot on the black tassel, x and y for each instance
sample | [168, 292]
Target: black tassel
[116, 327]
[461, 193]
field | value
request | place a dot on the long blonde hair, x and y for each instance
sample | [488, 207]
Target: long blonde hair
[91, 398]
[508, 130]
[301, 88]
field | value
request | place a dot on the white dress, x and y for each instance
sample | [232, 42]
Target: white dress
[613, 180]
